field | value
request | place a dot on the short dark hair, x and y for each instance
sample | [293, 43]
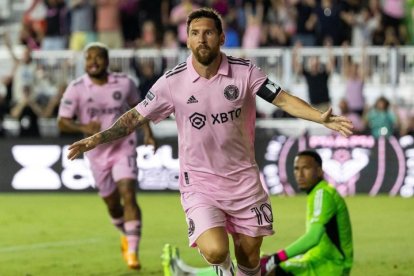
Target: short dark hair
[205, 13]
[312, 154]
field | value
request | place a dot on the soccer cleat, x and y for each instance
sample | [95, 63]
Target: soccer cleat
[132, 260]
[124, 247]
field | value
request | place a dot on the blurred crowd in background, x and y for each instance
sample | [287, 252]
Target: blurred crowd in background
[30, 92]
[62, 24]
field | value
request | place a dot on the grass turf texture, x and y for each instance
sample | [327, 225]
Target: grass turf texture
[71, 234]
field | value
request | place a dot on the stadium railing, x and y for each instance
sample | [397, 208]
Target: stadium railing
[390, 70]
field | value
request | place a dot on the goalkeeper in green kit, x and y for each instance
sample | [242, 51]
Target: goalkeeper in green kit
[326, 247]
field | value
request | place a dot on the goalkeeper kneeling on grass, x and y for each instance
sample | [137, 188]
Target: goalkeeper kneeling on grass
[326, 247]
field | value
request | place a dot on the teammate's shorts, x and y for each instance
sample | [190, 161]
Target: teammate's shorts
[312, 266]
[250, 216]
[105, 178]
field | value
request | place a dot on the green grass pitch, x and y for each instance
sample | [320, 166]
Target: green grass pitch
[71, 234]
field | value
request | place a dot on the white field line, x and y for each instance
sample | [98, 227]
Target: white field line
[47, 245]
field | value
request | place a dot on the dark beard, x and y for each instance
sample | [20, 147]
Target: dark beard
[207, 59]
[98, 75]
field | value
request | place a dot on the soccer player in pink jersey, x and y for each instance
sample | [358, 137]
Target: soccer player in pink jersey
[96, 100]
[213, 98]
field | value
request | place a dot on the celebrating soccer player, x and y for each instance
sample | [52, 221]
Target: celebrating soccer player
[92, 103]
[213, 98]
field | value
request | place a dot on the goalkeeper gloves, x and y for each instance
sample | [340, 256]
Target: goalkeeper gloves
[276, 259]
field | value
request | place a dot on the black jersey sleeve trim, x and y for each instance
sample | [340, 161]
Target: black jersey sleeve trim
[268, 91]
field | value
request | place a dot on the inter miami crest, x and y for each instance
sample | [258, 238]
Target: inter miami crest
[231, 92]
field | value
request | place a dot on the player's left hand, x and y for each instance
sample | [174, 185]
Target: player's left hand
[340, 124]
[79, 147]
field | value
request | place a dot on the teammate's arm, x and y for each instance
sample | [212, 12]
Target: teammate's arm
[149, 136]
[70, 126]
[125, 125]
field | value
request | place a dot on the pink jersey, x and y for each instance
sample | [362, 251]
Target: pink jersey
[216, 125]
[104, 103]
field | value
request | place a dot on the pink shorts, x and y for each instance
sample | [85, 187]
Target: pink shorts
[250, 216]
[105, 178]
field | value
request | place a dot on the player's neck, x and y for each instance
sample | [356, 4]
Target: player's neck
[207, 71]
[100, 80]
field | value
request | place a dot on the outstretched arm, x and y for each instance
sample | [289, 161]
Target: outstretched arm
[125, 125]
[301, 109]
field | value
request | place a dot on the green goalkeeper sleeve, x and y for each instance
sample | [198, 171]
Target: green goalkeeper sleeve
[307, 241]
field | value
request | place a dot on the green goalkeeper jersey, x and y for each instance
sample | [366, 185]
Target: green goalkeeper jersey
[327, 208]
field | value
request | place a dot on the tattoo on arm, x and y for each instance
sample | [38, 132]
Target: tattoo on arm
[125, 125]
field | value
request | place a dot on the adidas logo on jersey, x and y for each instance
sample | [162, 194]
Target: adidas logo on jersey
[192, 99]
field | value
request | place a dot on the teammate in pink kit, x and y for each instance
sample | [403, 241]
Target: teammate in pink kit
[213, 98]
[97, 99]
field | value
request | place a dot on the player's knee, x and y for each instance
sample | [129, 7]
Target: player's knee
[248, 257]
[214, 254]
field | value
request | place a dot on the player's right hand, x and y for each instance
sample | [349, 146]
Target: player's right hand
[79, 147]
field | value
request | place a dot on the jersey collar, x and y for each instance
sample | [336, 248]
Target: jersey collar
[224, 68]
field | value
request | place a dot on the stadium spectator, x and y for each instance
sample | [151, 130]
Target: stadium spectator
[254, 19]
[146, 73]
[364, 24]
[178, 16]
[108, 23]
[213, 99]
[57, 28]
[409, 128]
[232, 36]
[155, 10]
[371, 26]
[326, 248]
[276, 36]
[380, 119]
[97, 99]
[169, 40]
[51, 110]
[355, 118]
[27, 112]
[393, 18]
[328, 13]
[354, 75]
[391, 37]
[150, 36]
[130, 21]
[29, 37]
[35, 14]
[82, 24]
[280, 20]
[5, 100]
[316, 76]
[306, 22]
[348, 14]
[24, 71]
